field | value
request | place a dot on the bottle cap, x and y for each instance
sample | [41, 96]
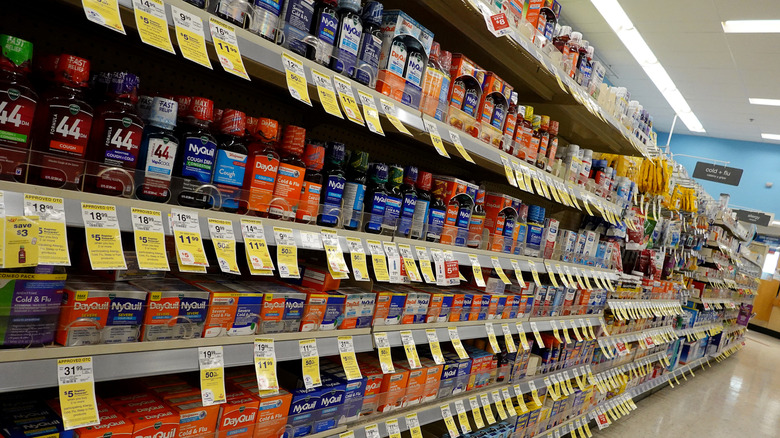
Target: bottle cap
[17, 53]
[372, 13]
[163, 113]
[379, 172]
[358, 161]
[445, 60]
[352, 5]
[217, 120]
[424, 181]
[337, 153]
[545, 123]
[144, 107]
[410, 175]
[72, 71]
[123, 85]
[201, 108]
[396, 175]
[184, 106]
[553, 129]
[536, 123]
[294, 140]
[314, 156]
[233, 122]
[480, 198]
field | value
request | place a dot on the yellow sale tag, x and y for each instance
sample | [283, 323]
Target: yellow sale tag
[446, 415]
[75, 378]
[226, 45]
[212, 375]
[520, 401]
[459, 146]
[104, 13]
[499, 405]
[510, 407]
[537, 335]
[586, 203]
[535, 273]
[152, 24]
[393, 430]
[104, 241]
[499, 270]
[358, 258]
[224, 241]
[411, 267]
[52, 233]
[186, 234]
[411, 350]
[475, 413]
[510, 175]
[476, 269]
[558, 79]
[189, 36]
[348, 359]
[336, 263]
[20, 247]
[576, 331]
[255, 245]
[487, 409]
[425, 265]
[347, 99]
[551, 274]
[433, 344]
[149, 240]
[413, 424]
[327, 93]
[310, 360]
[463, 419]
[508, 340]
[383, 349]
[518, 273]
[535, 394]
[389, 109]
[378, 260]
[296, 78]
[286, 253]
[565, 332]
[523, 338]
[370, 113]
[433, 131]
[265, 364]
[456, 343]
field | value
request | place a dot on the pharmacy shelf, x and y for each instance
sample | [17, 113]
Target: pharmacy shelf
[654, 333]
[306, 236]
[600, 374]
[263, 61]
[737, 230]
[478, 330]
[460, 26]
[698, 330]
[31, 368]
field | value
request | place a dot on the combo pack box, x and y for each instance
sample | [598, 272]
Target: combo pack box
[174, 310]
[29, 308]
[358, 307]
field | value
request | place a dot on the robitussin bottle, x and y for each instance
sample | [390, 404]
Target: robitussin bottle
[231, 156]
[195, 160]
[158, 150]
[17, 103]
[63, 122]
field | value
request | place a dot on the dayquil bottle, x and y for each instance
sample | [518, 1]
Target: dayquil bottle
[63, 121]
[230, 165]
[195, 159]
[158, 150]
[309, 205]
[354, 190]
[289, 178]
[17, 103]
[334, 181]
[262, 164]
[376, 198]
[477, 221]
[115, 140]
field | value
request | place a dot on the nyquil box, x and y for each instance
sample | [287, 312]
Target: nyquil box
[29, 308]
[94, 313]
[174, 310]
[304, 410]
[331, 404]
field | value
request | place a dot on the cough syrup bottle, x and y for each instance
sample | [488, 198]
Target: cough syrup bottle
[409, 201]
[230, 164]
[194, 163]
[350, 32]
[477, 221]
[289, 178]
[63, 122]
[115, 140]
[262, 163]
[394, 200]
[159, 147]
[437, 213]
[424, 198]
[265, 18]
[17, 103]
[354, 190]
[324, 27]
[376, 198]
[334, 181]
[309, 205]
[370, 44]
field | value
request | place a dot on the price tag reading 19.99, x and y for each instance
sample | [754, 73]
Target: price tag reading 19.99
[311, 363]
[186, 234]
[265, 364]
[104, 241]
[212, 375]
[77, 392]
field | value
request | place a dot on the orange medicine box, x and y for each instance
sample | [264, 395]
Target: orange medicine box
[272, 413]
[238, 415]
[415, 388]
[393, 389]
[111, 425]
[164, 424]
[196, 419]
[432, 378]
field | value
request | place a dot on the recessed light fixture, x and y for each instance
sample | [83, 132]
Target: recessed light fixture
[617, 19]
[766, 136]
[769, 102]
[751, 26]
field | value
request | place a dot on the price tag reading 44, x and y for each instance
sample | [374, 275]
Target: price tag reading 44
[77, 392]
[104, 242]
[310, 359]
[212, 375]
[186, 234]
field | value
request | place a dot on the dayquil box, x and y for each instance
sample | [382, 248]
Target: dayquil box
[196, 419]
[238, 416]
[415, 387]
[163, 424]
[174, 310]
[112, 425]
[393, 389]
[359, 307]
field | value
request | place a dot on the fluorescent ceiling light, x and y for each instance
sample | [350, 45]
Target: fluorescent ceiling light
[751, 26]
[766, 136]
[617, 19]
[770, 102]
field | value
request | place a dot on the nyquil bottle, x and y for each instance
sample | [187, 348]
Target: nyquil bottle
[370, 44]
[348, 40]
[324, 28]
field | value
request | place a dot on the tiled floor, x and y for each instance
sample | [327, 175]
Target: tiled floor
[739, 397]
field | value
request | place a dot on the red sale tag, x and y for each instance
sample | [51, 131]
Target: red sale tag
[499, 22]
[451, 269]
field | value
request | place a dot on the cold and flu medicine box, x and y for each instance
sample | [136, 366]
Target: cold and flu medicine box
[359, 307]
[29, 419]
[389, 306]
[234, 309]
[174, 310]
[273, 409]
[439, 303]
[415, 306]
[354, 393]
[94, 312]
[319, 278]
[29, 308]
[238, 415]
[282, 310]
[323, 310]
